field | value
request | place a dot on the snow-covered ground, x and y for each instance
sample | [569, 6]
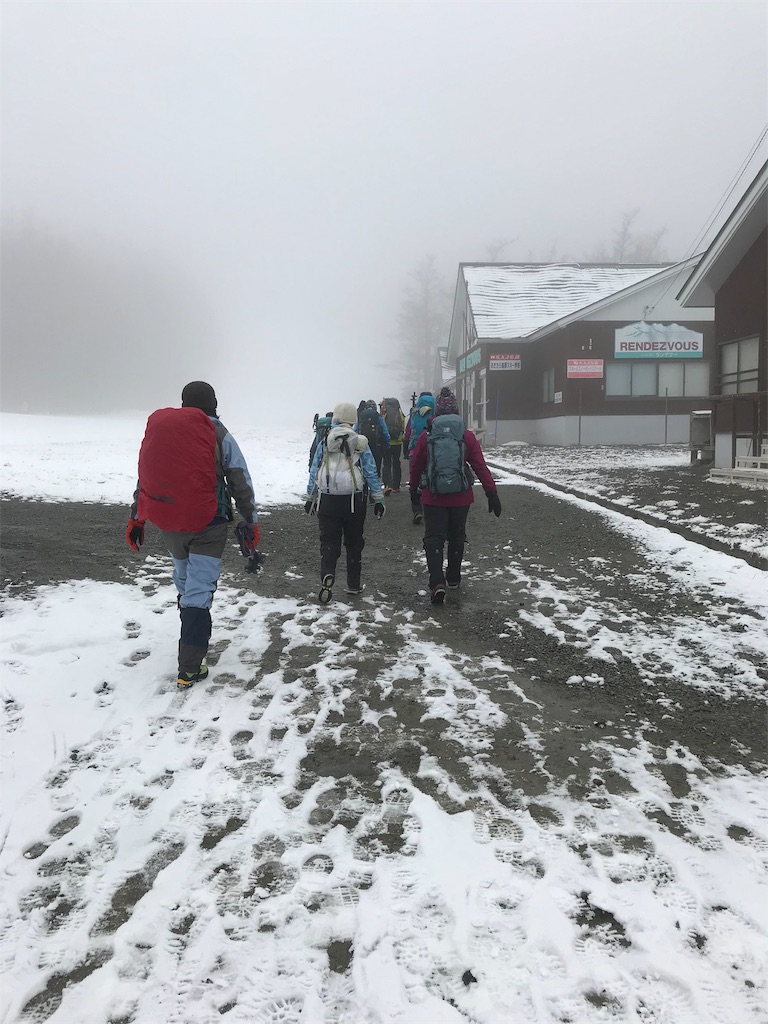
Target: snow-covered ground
[176, 857]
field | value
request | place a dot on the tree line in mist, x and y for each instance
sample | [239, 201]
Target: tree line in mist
[89, 327]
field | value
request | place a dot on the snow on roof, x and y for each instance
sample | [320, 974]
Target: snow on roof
[515, 300]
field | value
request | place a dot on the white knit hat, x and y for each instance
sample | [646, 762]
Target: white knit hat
[345, 412]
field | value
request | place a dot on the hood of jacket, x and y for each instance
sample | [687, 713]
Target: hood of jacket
[337, 434]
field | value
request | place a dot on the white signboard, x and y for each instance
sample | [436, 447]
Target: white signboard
[584, 368]
[510, 361]
[658, 341]
[558, 397]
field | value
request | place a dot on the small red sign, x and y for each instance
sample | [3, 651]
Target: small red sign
[585, 368]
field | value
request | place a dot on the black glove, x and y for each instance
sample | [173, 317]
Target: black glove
[248, 535]
[494, 503]
[309, 506]
[379, 509]
[256, 562]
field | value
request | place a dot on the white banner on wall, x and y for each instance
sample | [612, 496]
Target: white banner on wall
[658, 341]
[506, 361]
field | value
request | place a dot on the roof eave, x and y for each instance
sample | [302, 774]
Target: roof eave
[730, 244]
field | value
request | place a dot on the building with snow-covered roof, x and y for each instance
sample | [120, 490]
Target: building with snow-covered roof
[731, 278]
[578, 353]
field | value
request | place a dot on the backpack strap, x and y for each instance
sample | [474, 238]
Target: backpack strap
[345, 450]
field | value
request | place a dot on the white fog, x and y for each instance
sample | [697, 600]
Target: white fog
[244, 192]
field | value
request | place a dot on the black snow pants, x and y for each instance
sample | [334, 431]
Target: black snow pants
[341, 517]
[392, 468]
[444, 523]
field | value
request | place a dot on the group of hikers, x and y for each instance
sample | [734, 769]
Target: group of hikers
[191, 469]
[385, 428]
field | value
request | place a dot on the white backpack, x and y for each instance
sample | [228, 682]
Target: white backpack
[340, 470]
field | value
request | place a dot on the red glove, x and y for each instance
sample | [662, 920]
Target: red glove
[134, 533]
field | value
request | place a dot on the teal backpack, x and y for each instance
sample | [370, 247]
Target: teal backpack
[419, 419]
[447, 471]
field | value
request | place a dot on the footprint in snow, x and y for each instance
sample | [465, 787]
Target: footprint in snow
[12, 717]
[208, 738]
[61, 828]
[239, 742]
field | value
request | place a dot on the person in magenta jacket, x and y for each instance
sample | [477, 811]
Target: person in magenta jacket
[445, 515]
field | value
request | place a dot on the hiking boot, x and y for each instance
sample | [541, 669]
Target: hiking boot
[417, 518]
[438, 593]
[453, 584]
[325, 590]
[387, 491]
[354, 590]
[186, 679]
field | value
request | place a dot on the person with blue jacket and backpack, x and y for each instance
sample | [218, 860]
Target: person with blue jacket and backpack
[421, 414]
[342, 474]
[439, 466]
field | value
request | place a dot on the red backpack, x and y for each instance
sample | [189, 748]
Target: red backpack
[177, 470]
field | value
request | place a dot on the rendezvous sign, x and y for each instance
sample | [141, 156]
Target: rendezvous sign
[658, 341]
[508, 361]
[471, 359]
[584, 368]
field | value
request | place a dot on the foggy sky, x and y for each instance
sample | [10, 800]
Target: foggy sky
[294, 162]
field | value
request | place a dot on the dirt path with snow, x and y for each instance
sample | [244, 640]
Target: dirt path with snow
[558, 697]
[573, 577]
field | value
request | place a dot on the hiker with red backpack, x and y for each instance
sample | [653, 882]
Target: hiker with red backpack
[343, 472]
[394, 418]
[440, 465]
[190, 469]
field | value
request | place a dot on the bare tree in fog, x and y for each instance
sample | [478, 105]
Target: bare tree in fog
[629, 246]
[494, 249]
[89, 328]
[423, 323]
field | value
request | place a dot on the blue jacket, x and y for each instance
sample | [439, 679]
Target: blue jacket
[367, 462]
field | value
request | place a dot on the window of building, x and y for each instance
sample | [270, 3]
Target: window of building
[548, 386]
[645, 379]
[656, 379]
[618, 378]
[672, 379]
[738, 366]
[696, 379]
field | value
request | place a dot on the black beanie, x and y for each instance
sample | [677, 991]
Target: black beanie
[199, 395]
